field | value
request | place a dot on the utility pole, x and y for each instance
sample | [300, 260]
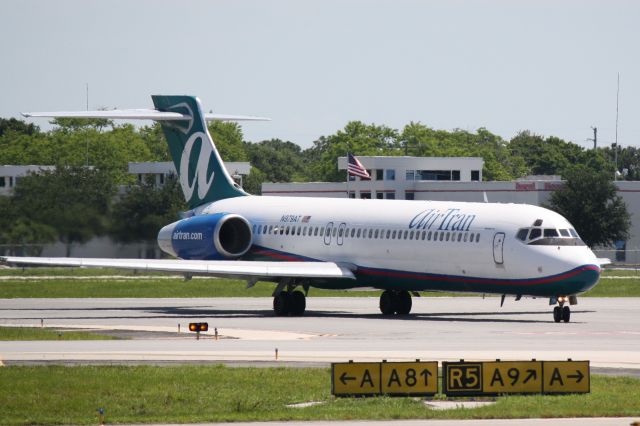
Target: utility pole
[87, 141]
[595, 137]
[615, 175]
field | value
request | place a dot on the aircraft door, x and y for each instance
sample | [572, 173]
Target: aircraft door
[341, 230]
[327, 233]
[498, 247]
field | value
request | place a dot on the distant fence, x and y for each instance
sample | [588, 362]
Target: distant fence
[628, 257]
[96, 247]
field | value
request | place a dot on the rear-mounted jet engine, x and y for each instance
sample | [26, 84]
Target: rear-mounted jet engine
[208, 237]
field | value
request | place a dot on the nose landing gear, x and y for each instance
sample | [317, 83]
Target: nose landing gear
[561, 312]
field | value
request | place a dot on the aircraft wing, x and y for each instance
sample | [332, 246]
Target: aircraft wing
[218, 268]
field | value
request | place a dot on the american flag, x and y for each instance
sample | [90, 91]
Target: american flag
[355, 168]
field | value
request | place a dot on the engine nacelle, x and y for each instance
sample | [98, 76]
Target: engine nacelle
[207, 237]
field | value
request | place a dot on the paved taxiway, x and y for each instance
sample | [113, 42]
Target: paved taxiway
[603, 330]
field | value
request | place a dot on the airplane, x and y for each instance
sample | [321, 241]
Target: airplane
[400, 247]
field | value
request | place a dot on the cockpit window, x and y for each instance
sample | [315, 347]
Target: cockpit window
[522, 234]
[549, 237]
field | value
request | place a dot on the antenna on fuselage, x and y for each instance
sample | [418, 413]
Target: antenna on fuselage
[484, 195]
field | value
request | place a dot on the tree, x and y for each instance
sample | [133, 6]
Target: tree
[420, 140]
[140, 213]
[279, 161]
[74, 201]
[356, 137]
[253, 183]
[589, 201]
[19, 235]
[229, 140]
[17, 126]
[74, 124]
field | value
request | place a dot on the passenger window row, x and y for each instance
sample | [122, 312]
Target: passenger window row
[367, 233]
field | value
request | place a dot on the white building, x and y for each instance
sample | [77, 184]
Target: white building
[10, 175]
[391, 178]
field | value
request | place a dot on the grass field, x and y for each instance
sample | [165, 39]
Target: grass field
[29, 333]
[72, 395]
[90, 285]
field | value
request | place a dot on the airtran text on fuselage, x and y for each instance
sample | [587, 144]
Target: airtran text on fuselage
[442, 220]
[180, 235]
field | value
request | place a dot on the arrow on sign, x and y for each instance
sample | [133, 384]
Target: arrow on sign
[344, 378]
[578, 376]
[531, 374]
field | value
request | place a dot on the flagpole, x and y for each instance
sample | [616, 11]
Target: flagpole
[348, 194]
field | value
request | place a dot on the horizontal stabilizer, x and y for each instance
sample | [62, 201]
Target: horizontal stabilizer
[220, 268]
[141, 114]
[604, 261]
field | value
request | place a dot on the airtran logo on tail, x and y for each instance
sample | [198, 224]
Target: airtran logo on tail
[201, 179]
[447, 220]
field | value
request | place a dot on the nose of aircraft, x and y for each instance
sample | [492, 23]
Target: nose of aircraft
[587, 272]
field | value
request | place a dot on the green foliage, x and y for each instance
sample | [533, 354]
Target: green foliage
[229, 140]
[110, 151]
[419, 140]
[358, 138]
[140, 213]
[628, 161]
[155, 141]
[553, 156]
[253, 183]
[17, 127]
[75, 124]
[28, 333]
[74, 201]
[22, 235]
[278, 161]
[590, 202]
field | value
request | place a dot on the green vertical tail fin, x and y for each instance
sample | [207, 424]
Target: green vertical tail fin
[201, 171]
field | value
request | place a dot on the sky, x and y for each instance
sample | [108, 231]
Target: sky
[549, 66]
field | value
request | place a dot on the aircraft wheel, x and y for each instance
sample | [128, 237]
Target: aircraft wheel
[403, 303]
[557, 314]
[386, 303]
[281, 304]
[566, 314]
[298, 303]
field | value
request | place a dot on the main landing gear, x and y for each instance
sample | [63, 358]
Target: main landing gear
[289, 301]
[395, 302]
[561, 312]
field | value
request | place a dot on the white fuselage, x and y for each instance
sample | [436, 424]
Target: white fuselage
[449, 239]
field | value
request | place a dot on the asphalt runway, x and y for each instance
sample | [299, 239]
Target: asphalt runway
[605, 331]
